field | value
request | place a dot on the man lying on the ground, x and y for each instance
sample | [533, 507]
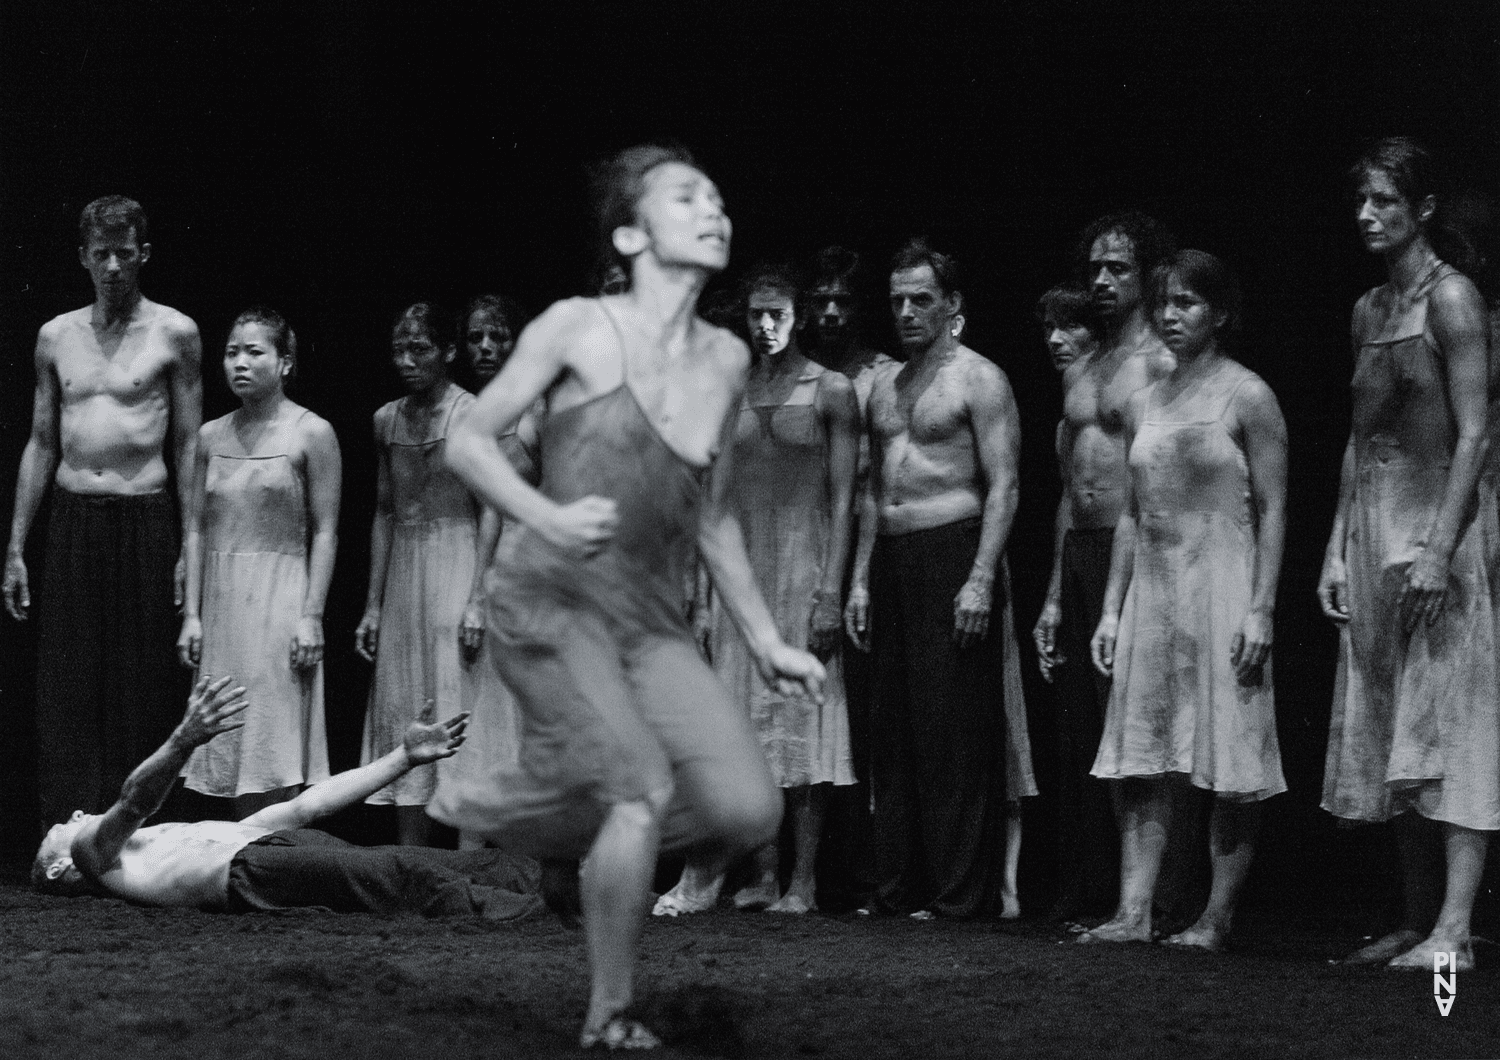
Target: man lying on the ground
[271, 860]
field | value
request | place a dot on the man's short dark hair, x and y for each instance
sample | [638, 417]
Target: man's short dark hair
[113, 213]
[916, 252]
[1151, 241]
[1069, 305]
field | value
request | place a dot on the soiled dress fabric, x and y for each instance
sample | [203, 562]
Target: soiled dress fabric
[781, 492]
[616, 703]
[434, 526]
[1415, 723]
[255, 553]
[1176, 705]
[493, 737]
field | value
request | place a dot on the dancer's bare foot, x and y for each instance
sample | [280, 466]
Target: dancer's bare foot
[677, 901]
[1010, 905]
[618, 1032]
[792, 902]
[1118, 930]
[1383, 949]
[1419, 957]
[1202, 935]
[756, 897]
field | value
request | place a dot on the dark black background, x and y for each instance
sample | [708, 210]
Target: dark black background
[339, 163]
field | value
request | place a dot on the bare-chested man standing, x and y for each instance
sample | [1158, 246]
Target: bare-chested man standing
[945, 437]
[113, 381]
[1117, 254]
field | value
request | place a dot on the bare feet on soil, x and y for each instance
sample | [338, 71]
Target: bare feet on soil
[618, 1033]
[1201, 936]
[756, 898]
[1419, 957]
[792, 902]
[675, 903]
[1383, 949]
[1118, 930]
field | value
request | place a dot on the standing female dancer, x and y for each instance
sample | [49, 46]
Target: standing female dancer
[262, 532]
[1192, 587]
[1415, 732]
[796, 442]
[629, 743]
[427, 560]
[487, 334]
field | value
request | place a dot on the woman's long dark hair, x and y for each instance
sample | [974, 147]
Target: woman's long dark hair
[1416, 175]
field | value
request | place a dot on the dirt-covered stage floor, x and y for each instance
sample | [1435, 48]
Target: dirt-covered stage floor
[99, 978]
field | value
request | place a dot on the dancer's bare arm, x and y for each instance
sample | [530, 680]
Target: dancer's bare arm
[547, 353]
[38, 465]
[840, 410]
[1457, 319]
[325, 477]
[190, 640]
[422, 744]
[1044, 634]
[186, 384]
[996, 425]
[1262, 433]
[367, 635]
[1121, 559]
[214, 707]
[721, 543]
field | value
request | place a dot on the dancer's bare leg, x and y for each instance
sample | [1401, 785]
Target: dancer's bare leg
[1463, 850]
[765, 886]
[615, 892]
[1145, 814]
[1231, 848]
[1010, 896]
[1419, 842]
[413, 826]
[809, 807]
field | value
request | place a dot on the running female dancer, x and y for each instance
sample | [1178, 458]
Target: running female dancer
[629, 743]
[1192, 585]
[429, 548]
[262, 531]
[1415, 732]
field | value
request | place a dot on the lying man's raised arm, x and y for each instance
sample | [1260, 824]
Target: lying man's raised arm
[213, 708]
[422, 744]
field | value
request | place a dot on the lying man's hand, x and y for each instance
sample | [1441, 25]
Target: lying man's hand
[429, 742]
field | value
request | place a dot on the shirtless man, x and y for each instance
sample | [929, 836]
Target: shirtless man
[944, 436]
[270, 860]
[1117, 254]
[113, 381]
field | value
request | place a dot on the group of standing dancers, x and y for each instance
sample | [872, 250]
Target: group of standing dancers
[634, 557]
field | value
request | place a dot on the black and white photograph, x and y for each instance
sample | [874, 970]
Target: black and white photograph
[750, 530]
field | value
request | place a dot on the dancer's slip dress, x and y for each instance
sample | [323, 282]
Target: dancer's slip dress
[419, 667]
[493, 736]
[1176, 705]
[781, 493]
[1416, 716]
[255, 553]
[616, 705]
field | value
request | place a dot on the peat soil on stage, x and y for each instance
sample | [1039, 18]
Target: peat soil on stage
[99, 978]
